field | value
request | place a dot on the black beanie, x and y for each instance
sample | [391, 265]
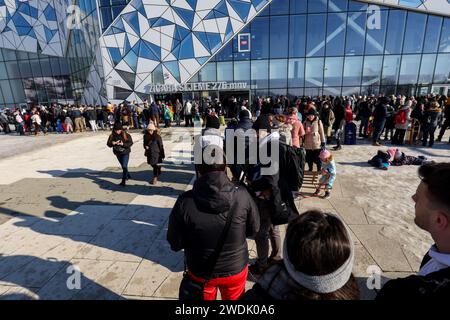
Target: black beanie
[118, 126]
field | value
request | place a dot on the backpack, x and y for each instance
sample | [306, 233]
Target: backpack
[400, 117]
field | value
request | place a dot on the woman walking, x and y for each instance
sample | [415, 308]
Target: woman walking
[314, 139]
[121, 142]
[154, 151]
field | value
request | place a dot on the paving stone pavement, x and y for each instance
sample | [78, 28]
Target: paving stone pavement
[65, 212]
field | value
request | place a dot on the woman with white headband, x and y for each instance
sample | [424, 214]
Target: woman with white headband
[317, 263]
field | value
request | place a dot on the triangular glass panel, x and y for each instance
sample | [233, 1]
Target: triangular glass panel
[241, 8]
[186, 15]
[215, 41]
[203, 38]
[222, 7]
[174, 69]
[192, 4]
[133, 21]
[146, 52]
[115, 55]
[161, 22]
[186, 48]
[131, 60]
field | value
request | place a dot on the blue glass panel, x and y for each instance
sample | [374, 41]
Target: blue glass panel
[337, 5]
[442, 71]
[316, 35]
[427, 68]
[186, 15]
[409, 69]
[333, 71]
[279, 36]
[260, 73]
[415, 30]
[279, 7]
[297, 36]
[356, 33]
[115, 55]
[375, 37]
[277, 73]
[395, 31]
[173, 68]
[432, 34]
[317, 6]
[133, 21]
[373, 66]
[241, 8]
[260, 38]
[296, 73]
[50, 13]
[352, 71]
[298, 6]
[131, 60]
[336, 29]
[186, 48]
[445, 36]
[314, 72]
[357, 6]
[391, 68]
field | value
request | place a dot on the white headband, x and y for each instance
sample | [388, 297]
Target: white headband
[321, 284]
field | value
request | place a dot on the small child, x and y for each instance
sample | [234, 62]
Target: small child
[328, 172]
[69, 125]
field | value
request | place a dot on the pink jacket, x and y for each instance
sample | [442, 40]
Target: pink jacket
[297, 130]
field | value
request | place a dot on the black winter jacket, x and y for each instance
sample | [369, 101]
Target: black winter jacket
[155, 152]
[434, 286]
[198, 219]
[120, 150]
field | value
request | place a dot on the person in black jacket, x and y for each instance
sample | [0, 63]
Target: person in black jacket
[379, 120]
[432, 214]
[197, 221]
[446, 124]
[121, 142]
[431, 117]
[154, 151]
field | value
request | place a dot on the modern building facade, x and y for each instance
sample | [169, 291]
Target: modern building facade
[94, 51]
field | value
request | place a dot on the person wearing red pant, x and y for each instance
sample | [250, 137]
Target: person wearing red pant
[197, 223]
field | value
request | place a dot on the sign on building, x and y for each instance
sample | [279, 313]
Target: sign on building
[244, 42]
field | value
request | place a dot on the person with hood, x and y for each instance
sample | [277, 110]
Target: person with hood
[314, 139]
[402, 120]
[379, 119]
[431, 117]
[401, 159]
[383, 160]
[154, 151]
[432, 214]
[120, 141]
[318, 259]
[198, 222]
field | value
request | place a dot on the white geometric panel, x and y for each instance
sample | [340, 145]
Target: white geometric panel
[169, 40]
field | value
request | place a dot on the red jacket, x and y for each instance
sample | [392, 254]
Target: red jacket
[348, 115]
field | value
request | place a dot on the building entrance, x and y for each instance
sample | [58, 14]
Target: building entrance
[232, 101]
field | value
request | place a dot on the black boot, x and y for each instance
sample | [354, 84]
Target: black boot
[128, 176]
[123, 183]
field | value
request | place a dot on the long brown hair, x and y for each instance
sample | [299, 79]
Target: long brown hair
[318, 244]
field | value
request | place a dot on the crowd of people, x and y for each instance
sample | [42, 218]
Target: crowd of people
[231, 202]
